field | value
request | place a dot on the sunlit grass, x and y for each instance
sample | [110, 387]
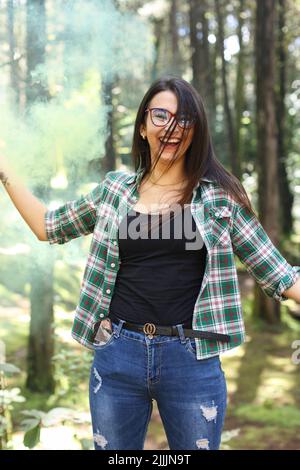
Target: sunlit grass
[271, 414]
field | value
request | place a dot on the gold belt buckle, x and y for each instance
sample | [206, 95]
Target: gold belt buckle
[149, 329]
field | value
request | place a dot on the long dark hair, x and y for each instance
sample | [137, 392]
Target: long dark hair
[200, 160]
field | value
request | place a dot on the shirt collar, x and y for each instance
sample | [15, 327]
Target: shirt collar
[136, 178]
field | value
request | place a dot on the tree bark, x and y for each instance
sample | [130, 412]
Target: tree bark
[36, 39]
[267, 134]
[158, 36]
[109, 160]
[14, 67]
[240, 89]
[41, 335]
[233, 153]
[202, 58]
[176, 64]
[286, 196]
[41, 341]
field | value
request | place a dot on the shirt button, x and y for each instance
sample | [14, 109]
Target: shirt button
[115, 242]
[101, 315]
[112, 265]
[108, 291]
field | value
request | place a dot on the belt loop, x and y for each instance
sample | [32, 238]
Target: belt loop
[181, 333]
[119, 328]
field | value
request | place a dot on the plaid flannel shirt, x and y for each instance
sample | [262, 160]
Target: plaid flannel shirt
[227, 229]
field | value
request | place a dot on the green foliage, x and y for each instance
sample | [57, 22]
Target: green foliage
[37, 419]
[7, 399]
[13, 277]
[9, 369]
[34, 420]
[71, 369]
[269, 413]
[32, 429]
[67, 283]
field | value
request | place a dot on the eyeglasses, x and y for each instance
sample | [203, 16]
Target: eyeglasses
[161, 117]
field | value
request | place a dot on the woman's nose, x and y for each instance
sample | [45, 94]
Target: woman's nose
[171, 124]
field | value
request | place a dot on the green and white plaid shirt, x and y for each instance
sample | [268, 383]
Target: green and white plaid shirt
[226, 228]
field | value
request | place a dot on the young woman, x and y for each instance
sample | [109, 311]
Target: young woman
[160, 298]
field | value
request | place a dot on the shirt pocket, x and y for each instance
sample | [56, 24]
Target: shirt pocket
[220, 225]
[105, 223]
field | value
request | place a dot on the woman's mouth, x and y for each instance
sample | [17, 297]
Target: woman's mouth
[171, 144]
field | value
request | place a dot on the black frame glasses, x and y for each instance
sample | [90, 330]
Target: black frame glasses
[171, 115]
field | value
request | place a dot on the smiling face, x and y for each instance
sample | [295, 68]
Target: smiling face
[154, 134]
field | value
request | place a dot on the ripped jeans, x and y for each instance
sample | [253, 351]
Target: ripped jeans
[131, 370]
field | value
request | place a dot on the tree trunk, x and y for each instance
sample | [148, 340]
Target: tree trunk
[41, 341]
[286, 196]
[233, 154]
[176, 63]
[267, 163]
[240, 88]
[158, 36]
[36, 38]
[109, 160]
[202, 62]
[14, 67]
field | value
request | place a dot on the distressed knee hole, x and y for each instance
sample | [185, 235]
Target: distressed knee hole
[209, 412]
[100, 440]
[98, 378]
[202, 444]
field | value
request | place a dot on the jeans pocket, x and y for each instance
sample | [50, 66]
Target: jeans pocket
[221, 369]
[106, 337]
[190, 346]
[98, 346]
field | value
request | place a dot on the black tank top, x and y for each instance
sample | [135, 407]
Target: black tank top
[160, 276]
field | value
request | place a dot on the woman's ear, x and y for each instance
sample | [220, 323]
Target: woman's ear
[143, 132]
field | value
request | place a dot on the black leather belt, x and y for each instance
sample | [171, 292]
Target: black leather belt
[151, 330]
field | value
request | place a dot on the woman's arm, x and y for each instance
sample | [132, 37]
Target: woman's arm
[69, 221]
[293, 292]
[260, 256]
[30, 208]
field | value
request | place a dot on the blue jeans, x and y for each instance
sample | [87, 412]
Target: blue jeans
[131, 370]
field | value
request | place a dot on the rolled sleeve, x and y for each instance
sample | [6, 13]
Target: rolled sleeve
[74, 218]
[261, 258]
[52, 227]
[286, 282]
